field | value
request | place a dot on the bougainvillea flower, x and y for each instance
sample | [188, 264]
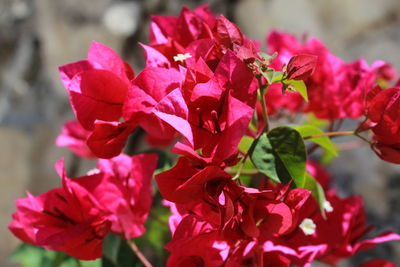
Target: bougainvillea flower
[171, 35]
[385, 71]
[184, 182]
[212, 115]
[75, 218]
[247, 254]
[210, 210]
[255, 213]
[300, 67]
[277, 100]
[383, 110]
[122, 186]
[64, 219]
[250, 253]
[97, 86]
[335, 237]
[200, 34]
[74, 136]
[194, 244]
[155, 58]
[108, 138]
[175, 218]
[387, 152]
[378, 263]
[146, 91]
[335, 89]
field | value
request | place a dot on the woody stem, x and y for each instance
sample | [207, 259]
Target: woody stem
[329, 134]
[138, 253]
[244, 172]
[263, 88]
[239, 171]
[355, 133]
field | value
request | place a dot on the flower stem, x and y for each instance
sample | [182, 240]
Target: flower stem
[244, 172]
[362, 137]
[330, 134]
[138, 253]
[355, 133]
[239, 171]
[263, 88]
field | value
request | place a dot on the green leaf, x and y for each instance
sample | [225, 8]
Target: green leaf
[32, 256]
[316, 190]
[323, 141]
[268, 57]
[111, 246]
[263, 157]
[277, 77]
[254, 120]
[157, 233]
[272, 76]
[95, 263]
[245, 143]
[268, 74]
[289, 146]
[281, 155]
[299, 86]
[116, 253]
[28, 256]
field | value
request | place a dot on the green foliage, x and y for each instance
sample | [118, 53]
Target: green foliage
[265, 56]
[297, 85]
[271, 75]
[32, 256]
[158, 233]
[117, 253]
[323, 141]
[245, 144]
[281, 155]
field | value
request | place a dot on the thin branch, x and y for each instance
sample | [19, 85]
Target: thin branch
[262, 91]
[329, 134]
[239, 171]
[138, 253]
[244, 172]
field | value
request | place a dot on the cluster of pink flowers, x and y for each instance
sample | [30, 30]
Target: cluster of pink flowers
[202, 86]
[75, 218]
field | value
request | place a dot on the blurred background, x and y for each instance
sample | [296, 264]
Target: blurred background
[36, 36]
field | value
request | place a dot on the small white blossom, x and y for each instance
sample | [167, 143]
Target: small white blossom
[327, 206]
[308, 226]
[182, 57]
[93, 171]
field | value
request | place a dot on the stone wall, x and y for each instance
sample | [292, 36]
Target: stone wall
[38, 35]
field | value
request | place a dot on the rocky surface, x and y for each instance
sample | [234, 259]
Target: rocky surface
[38, 35]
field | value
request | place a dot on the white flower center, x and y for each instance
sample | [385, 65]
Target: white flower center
[93, 172]
[182, 57]
[308, 226]
[327, 206]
